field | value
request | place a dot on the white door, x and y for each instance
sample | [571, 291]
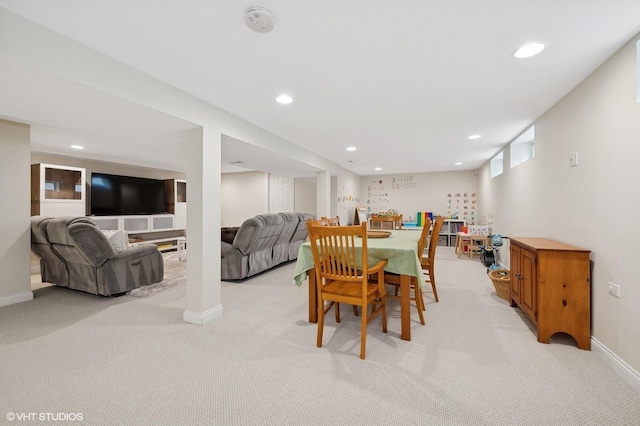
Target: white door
[280, 194]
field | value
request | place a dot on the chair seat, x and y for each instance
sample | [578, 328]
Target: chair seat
[349, 289]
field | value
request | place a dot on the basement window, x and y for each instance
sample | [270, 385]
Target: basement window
[523, 147]
[497, 164]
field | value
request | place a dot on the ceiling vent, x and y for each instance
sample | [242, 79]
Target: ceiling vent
[259, 19]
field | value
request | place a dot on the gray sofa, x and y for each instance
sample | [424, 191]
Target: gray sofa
[74, 253]
[262, 242]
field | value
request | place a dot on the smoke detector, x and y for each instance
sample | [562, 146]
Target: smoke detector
[259, 19]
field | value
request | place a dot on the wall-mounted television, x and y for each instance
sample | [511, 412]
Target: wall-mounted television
[126, 195]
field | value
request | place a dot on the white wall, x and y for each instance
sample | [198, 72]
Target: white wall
[305, 196]
[244, 195]
[444, 193]
[348, 189]
[15, 205]
[594, 205]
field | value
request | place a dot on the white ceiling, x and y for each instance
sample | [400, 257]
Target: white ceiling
[406, 82]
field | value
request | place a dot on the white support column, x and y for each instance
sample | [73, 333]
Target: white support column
[15, 205]
[323, 194]
[203, 301]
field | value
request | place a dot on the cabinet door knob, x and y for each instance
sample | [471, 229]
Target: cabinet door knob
[564, 303]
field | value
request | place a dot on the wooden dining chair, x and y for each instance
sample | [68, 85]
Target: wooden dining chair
[332, 221]
[325, 221]
[343, 275]
[386, 222]
[394, 279]
[428, 262]
[317, 222]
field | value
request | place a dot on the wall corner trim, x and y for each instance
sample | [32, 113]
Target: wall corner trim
[16, 298]
[621, 368]
[202, 318]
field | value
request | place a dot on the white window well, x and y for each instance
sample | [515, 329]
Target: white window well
[523, 147]
[497, 164]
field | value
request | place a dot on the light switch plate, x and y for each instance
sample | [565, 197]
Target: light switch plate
[573, 159]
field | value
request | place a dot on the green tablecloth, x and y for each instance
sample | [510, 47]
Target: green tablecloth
[400, 250]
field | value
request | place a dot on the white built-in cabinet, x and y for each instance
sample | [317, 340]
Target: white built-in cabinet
[176, 201]
[158, 229]
[137, 223]
[57, 190]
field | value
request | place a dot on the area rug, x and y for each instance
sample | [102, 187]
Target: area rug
[175, 275]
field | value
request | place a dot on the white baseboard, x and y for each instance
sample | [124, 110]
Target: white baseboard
[16, 298]
[621, 368]
[201, 318]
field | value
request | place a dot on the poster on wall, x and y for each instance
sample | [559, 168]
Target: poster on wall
[462, 205]
[454, 197]
[380, 191]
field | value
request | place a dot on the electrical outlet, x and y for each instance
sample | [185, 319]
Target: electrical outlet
[573, 159]
[614, 290]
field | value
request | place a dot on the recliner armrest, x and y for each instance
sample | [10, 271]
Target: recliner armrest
[135, 251]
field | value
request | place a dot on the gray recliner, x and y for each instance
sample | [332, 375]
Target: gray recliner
[52, 267]
[92, 264]
[281, 247]
[300, 235]
[252, 248]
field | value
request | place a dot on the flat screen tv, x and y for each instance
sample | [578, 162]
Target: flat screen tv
[126, 195]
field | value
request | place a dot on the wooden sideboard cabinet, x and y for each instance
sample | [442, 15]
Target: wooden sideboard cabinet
[550, 282]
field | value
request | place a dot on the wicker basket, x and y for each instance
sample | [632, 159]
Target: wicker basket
[501, 279]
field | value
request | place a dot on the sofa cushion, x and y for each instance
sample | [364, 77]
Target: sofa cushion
[119, 240]
[228, 234]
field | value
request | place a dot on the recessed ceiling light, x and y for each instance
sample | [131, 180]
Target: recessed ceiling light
[351, 148]
[529, 50]
[472, 137]
[377, 169]
[77, 146]
[284, 99]
[459, 163]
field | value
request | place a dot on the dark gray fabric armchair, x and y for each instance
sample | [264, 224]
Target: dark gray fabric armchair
[94, 266]
[252, 249]
[52, 267]
[300, 235]
[262, 242]
[281, 246]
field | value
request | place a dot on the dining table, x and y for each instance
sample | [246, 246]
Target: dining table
[400, 249]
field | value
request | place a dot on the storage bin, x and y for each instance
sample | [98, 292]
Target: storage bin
[501, 279]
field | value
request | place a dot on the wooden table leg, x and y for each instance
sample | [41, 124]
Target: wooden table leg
[313, 297]
[405, 307]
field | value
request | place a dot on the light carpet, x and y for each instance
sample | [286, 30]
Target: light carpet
[133, 361]
[445, 253]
